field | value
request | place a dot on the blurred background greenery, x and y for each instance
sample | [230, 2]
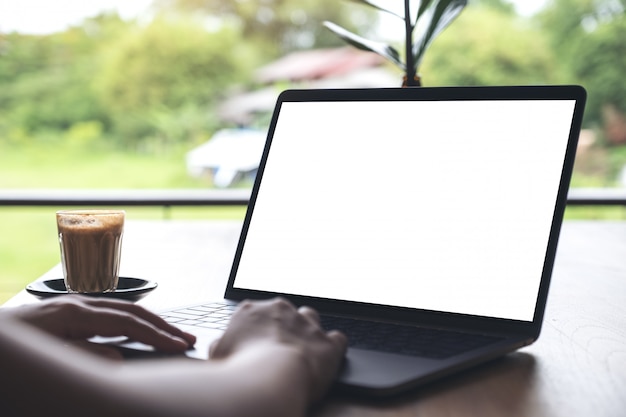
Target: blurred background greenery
[150, 86]
[116, 103]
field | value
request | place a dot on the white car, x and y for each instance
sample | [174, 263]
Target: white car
[230, 155]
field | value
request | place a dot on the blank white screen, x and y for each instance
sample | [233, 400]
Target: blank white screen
[443, 206]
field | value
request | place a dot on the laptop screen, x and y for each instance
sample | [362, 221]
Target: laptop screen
[436, 205]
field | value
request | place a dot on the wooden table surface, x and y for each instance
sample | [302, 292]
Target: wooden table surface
[576, 368]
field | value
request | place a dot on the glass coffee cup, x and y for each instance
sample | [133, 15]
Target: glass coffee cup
[91, 246]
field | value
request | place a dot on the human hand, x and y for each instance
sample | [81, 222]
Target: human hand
[78, 318]
[278, 322]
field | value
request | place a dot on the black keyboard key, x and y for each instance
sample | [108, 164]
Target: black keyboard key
[410, 340]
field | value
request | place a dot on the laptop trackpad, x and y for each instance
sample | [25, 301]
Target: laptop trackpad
[381, 373]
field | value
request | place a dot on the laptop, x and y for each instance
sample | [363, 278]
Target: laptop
[416, 213]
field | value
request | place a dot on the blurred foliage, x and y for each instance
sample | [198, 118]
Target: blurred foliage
[588, 37]
[281, 26]
[46, 81]
[502, 6]
[490, 46]
[170, 65]
[152, 86]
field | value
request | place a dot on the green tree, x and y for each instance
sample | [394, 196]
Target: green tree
[173, 63]
[486, 46]
[601, 65]
[588, 36]
[52, 101]
[45, 81]
[22, 54]
[281, 26]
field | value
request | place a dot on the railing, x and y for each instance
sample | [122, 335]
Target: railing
[164, 198]
[596, 197]
[146, 198]
[229, 197]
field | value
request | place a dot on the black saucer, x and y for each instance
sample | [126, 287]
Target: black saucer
[128, 289]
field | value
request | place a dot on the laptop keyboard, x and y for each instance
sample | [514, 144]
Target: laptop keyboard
[362, 334]
[210, 316]
[409, 340]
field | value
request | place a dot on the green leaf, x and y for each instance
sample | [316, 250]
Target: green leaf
[423, 6]
[442, 13]
[381, 48]
[376, 6]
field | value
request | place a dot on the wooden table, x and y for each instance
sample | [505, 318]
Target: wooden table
[576, 368]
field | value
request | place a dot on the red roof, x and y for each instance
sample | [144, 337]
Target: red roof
[317, 64]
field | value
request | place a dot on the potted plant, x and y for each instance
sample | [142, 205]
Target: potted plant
[432, 17]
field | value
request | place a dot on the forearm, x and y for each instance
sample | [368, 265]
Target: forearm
[261, 381]
[40, 375]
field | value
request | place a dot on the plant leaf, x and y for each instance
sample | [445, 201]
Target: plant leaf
[381, 48]
[442, 13]
[376, 6]
[423, 6]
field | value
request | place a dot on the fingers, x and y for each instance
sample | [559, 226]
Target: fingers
[149, 317]
[111, 322]
[310, 314]
[84, 317]
[276, 324]
[254, 320]
[336, 336]
[340, 339]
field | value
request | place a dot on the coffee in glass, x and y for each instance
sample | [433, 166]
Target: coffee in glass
[91, 245]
